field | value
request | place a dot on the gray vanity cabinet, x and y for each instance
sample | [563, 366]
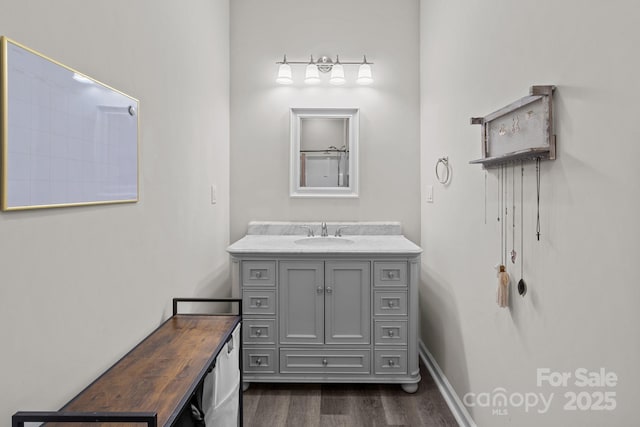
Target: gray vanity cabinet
[328, 309]
[324, 302]
[302, 293]
[347, 302]
[346, 319]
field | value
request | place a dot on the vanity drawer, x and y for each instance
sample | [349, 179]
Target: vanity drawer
[259, 360]
[390, 332]
[259, 301]
[390, 303]
[391, 361]
[259, 273]
[389, 273]
[323, 361]
[259, 331]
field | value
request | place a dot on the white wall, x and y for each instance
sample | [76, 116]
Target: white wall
[320, 133]
[581, 309]
[261, 33]
[80, 286]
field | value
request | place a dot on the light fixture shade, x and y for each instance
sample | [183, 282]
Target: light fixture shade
[337, 75]
[312, 76]
[364, 75]
[284, 74]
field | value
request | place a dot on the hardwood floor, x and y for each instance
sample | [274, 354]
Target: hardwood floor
[346, 405]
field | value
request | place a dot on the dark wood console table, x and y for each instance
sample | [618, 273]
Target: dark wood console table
[155, 381]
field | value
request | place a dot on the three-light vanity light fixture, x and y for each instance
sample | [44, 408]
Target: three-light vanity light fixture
[324, 64]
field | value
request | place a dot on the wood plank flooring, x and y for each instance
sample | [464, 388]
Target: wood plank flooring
[346, 405]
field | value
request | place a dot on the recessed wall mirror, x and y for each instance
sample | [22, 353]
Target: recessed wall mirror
[324, 152]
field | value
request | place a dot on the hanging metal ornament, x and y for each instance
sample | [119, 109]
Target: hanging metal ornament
[538, 197]
[522, 285]
[502, 293]
[513, 215]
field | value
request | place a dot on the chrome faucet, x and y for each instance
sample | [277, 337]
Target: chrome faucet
[323, 230]
[309, 230]
[339, 231]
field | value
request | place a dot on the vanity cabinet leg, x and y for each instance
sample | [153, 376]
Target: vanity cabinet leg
[410, 388]
[245, 386]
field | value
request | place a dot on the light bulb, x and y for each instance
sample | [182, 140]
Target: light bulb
[311, 75]
[337, 75]
[364, 74]
[284, 74]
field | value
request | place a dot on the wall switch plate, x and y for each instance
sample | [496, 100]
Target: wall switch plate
[214, 196]
[429, 193]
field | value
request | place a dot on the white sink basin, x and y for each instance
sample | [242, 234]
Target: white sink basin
[323, 241]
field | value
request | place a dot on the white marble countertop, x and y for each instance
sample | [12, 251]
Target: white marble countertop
[300, 244]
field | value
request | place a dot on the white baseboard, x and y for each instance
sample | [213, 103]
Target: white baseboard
[450, 396]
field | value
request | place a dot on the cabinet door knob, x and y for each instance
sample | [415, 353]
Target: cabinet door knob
[329, 289]
[391, 303]
[391, 332]
[391, 362]
[258, 303]
[258, 361]
[320, 289]
[258, 274]
[258, 332]
[390, 274]
[324, 362]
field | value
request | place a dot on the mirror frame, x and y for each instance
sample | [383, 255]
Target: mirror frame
[297, 114]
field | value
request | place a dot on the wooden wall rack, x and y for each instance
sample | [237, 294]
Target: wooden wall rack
[523, 130]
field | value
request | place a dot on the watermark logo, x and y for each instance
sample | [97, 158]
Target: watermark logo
[499, 400]
[594, 388]
[578, 390]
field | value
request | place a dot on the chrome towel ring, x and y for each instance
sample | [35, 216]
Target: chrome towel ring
[442, 174]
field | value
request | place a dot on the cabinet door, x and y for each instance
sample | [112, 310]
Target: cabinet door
[347, 302]
[301, 312]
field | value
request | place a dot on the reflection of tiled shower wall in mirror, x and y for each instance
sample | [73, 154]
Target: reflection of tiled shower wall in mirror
[68, 140]
[324, 154]
[325, 169]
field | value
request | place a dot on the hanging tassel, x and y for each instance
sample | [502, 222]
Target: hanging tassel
[502, 295]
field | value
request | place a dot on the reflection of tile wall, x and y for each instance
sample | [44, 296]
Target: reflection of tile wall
[322, 170]
[69, 141]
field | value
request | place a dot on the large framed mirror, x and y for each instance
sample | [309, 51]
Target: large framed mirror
[324, 152]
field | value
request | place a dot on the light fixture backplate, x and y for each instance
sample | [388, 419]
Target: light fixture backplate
[325, 64]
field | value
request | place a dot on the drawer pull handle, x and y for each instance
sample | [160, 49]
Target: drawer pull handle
[258, 332]
[258, 361]
[391, 333]
[258, 303]
[391, 363]
[324, 362]
[329, 289]
[320, 289]
[390, 274]
[391, 303]
[258, 274]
